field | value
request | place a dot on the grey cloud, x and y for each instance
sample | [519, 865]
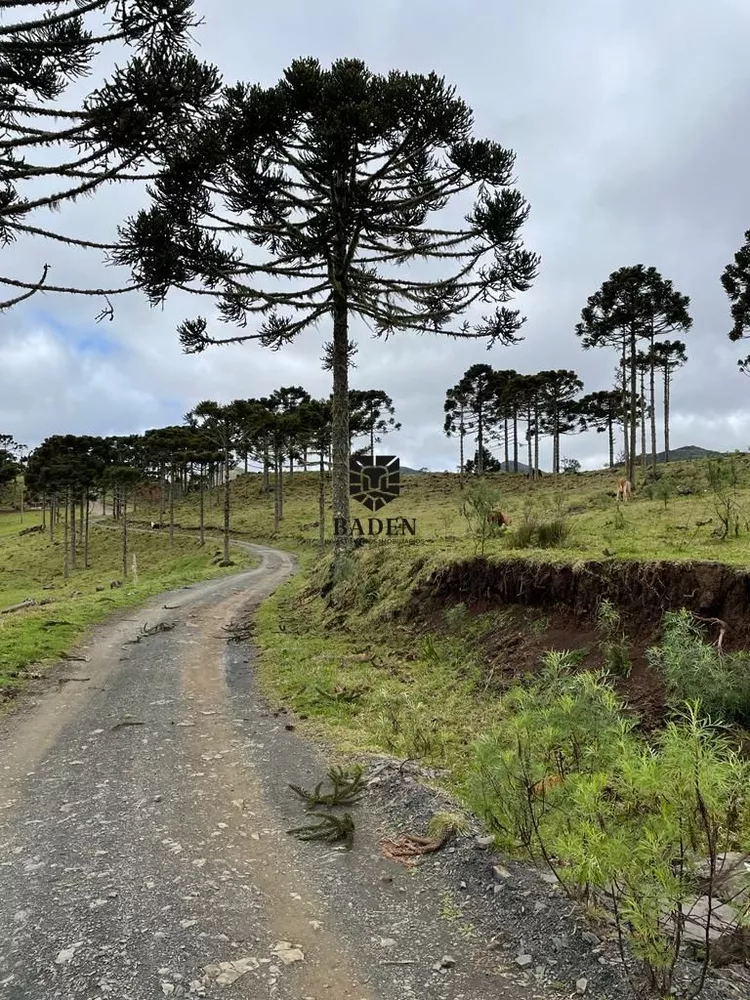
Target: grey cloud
[627, 120]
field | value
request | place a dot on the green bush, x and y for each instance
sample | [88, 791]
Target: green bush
[696, 671]
[554, 533]
[565, 777]
[534, 533]
[613, 643]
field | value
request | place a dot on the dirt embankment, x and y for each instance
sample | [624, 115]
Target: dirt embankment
[641, 590]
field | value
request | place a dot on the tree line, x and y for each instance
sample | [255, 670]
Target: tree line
[508, 409]
[66, 474]
[324, 197]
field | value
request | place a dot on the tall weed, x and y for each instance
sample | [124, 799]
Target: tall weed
[696, 671]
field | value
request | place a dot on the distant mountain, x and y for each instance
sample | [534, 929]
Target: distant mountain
[405, 470]
[685, 454]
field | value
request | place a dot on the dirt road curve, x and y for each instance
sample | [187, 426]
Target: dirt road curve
[138, 861]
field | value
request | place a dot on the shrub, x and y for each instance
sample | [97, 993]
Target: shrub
[565, 777]
[479, 502]
[554, 533]
[534, 533]
[696, 671]
[614, 641]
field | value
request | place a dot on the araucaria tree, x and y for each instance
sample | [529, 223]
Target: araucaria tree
[736, 283]
[113, 133]
[633, 304]
[318, 199]
[667, 356]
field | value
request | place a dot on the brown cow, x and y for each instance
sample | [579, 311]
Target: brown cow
[624, 489]
[497, 517]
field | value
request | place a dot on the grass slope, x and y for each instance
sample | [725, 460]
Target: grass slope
[32, 567]
[642, 529]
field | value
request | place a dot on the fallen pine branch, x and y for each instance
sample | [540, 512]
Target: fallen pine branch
[146, 632]
[127, 722]
[330, 829]
[64, 680]
[30, 603]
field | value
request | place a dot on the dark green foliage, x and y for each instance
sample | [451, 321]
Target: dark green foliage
[111, 133]
[633, 304]
[736, 283]
[9, 463]
[330, 829]
[694, 670]
[348, 788]
[544, 534]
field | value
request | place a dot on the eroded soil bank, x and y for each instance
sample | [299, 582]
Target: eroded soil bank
[642, 591]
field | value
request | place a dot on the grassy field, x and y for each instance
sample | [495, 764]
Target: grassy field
[659, 522]
[31, 566]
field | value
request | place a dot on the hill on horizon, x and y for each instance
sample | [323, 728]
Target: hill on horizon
[686, 453]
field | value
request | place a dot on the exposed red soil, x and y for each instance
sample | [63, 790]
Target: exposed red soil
[554, 607]
[642, 591]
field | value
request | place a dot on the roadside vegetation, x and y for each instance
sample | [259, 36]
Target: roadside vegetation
[632, 811]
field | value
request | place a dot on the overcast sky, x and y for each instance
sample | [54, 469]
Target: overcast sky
[629, 121]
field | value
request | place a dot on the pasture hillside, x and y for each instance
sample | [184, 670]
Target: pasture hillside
[570, 545]
[676, 518]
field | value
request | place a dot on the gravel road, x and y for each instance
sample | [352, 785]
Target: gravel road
[143, 852]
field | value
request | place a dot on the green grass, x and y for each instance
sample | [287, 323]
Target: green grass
[11, 524]
[32, 567]
[368, 685]
[641, 529]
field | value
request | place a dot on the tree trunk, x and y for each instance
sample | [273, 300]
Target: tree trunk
[652, 393]
[340, 420]
[529, 443]
[556, 439]
[611, 435]
[633, 401]
[372, 442]
[226, 505]
[202, 507]
[86, 535]
[480, 439]
[44, 514]
[536, 438]
[666, 415]
[321, 499]
[104, 503]
[507, 445]
[73, 560]
[461, 436]
[625, 424]
[643, 423]
[52, 504]
[66, 563]
[276, 490]
[515, 438]
[122, 501]
[162, 503]
[171, 505]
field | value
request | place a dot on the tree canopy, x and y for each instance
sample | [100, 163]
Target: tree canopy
[318, 199]
[116, 132]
